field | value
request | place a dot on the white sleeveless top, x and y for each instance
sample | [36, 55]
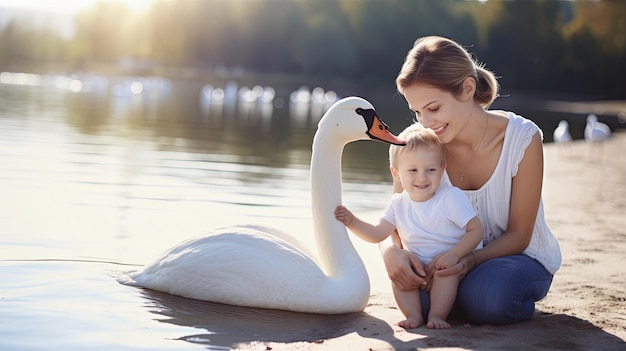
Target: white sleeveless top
[492, 200]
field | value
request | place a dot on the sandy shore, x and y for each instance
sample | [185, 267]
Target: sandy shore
[586, 308]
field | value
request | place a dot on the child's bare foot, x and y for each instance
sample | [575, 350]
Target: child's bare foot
[411, 322]
[435, 322]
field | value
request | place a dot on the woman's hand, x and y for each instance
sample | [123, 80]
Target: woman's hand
[404, 269]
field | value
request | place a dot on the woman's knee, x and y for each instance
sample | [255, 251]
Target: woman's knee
[503, 290]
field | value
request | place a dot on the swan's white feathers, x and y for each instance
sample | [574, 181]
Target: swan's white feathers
[235, 257]
[345, 128]
[561, 133]
[596, 131]
[263, 267]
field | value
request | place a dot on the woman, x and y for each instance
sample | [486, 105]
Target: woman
[496, 158]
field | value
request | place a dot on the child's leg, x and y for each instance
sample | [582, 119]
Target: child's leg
[409, 304]
[442, 296]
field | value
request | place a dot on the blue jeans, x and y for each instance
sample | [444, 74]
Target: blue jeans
[502, 290]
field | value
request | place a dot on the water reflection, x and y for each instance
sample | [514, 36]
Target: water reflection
[171, 109]
[117, 172]
[227, 326]
[250, 124]
[118, 160]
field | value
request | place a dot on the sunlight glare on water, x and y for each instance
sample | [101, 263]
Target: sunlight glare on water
[94, 185]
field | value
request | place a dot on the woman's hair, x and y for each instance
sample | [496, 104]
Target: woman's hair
[443, 64]
[416, 137]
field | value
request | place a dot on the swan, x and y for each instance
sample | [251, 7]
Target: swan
[561, 133]
[259, 266]
[596, 133]
[563, 137]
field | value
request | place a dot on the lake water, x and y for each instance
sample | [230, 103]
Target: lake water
[100, 175]
[96, 179]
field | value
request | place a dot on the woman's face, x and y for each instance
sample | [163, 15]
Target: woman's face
[438, 110]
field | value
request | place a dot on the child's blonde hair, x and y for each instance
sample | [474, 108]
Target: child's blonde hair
[416, 137]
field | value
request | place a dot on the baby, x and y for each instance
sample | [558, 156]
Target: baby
[437, 223]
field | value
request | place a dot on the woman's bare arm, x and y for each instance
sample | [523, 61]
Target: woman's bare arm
[525, 197]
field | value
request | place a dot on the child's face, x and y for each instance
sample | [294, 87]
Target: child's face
[419, 171]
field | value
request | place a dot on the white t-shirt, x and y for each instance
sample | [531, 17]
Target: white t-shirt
[430, 227]
[492, 201]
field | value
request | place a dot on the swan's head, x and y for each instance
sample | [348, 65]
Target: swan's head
[592, 118]
[353, 118]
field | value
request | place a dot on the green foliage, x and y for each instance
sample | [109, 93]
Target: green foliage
[568, 46]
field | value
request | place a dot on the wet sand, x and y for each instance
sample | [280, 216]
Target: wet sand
[585, 309]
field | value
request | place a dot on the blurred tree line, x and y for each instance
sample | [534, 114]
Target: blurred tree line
[567, 46]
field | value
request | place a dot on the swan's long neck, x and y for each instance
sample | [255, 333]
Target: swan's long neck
[337, 254]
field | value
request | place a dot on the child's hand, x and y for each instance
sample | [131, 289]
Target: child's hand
[343, 215]
[445, 260]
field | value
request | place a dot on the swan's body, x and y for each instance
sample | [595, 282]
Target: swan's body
[563, 137]
[262, 267]
[561, 133]
[596, 133]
